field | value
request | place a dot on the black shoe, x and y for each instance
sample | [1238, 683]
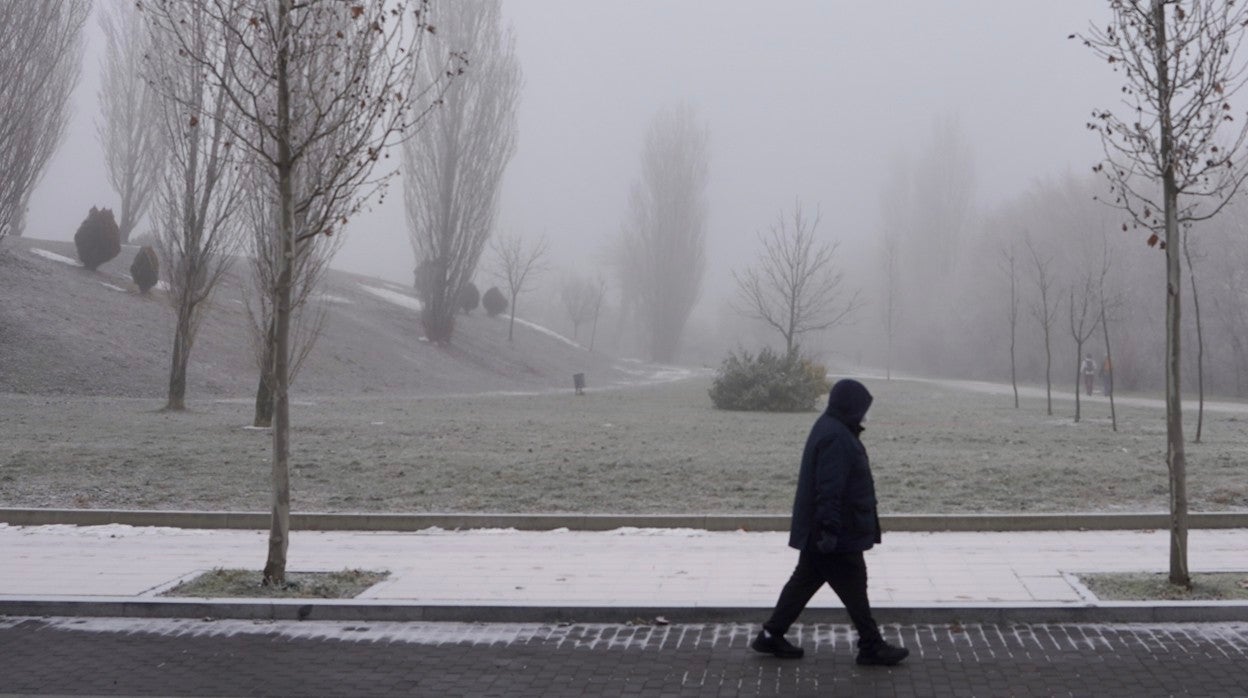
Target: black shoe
[882, 654]
[777, 646]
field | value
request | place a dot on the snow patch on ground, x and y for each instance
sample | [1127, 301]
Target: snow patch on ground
[399, 299]
[549, 332]
[419, 633]
[330, 298]
[54, 257]
[587, 635]
[1037, 392]
[665, 532]
[648, 374]
[105, 284]
[251, 400]
[127, 531]
[105, 531]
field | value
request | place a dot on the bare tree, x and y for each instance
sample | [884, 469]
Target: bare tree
[663, 243]
[307, 312]
[1169, 160]
[579, 296]
[516, 265]
[321, 85]
[892, 303]
[599, 295]
[1009, 264]
[199, 190]
[927, 202]
[1083, 322]
[796, 287]
[40, 61]
[129, 126]
[453, 168]
[899, 220]
[1044, 312]
[1106, 305]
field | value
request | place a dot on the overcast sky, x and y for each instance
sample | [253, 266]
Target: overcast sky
[803, 98]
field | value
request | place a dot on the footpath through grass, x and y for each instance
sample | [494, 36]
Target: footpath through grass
[658, 449]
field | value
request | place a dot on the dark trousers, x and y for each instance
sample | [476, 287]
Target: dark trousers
[846, 573]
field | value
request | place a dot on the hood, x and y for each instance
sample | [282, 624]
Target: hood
[848, 403]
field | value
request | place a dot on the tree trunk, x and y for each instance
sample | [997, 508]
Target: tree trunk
[511, 324]
[264, 391]
[1048, 367]
[279, 530]
[888, 358]
[1078, 378]
[1109, 376]
[593, 331]
[126, 225]
[1013, 331]
[438, 322]
[181, 357]
[1175, 458]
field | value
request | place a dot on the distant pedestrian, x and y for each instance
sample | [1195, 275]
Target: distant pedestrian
[1107, 376]
[834, 521]
[1089, 373]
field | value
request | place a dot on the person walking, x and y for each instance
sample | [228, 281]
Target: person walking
[1107, 376]
[834, 522]
[1089, 373]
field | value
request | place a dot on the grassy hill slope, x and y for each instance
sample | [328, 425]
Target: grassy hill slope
[68, 331]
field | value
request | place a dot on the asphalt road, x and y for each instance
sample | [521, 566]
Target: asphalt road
[244, 658]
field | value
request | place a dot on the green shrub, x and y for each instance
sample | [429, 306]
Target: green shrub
[145, 269]
[494, 301]
[768, 382]
[98, 239]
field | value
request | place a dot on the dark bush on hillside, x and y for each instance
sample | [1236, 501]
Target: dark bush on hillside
[494, 301]
[98, 238]
[768, 382]
[469, 298]
[145, 269]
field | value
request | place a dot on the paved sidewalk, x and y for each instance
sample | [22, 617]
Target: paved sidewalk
[661, 568]
[124, 656]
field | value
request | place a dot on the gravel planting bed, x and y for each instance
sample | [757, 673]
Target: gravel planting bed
[223, 583]
[1147, 586]
[652, 449]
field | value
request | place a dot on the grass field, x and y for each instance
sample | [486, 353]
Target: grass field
[654, 449]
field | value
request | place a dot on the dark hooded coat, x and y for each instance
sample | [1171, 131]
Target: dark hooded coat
[835, 506]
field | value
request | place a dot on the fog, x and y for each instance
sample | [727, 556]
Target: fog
[809, 100]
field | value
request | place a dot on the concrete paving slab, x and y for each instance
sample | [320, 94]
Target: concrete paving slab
[623, 569]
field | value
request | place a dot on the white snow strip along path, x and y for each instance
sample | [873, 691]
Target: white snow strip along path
[548, 331]
[1038, 393]
[399, 299]
[330, 298]
[54, 257]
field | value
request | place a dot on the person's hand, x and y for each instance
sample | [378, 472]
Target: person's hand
[827, 541]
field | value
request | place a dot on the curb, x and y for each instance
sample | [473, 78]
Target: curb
[357, 610]
[605, 522]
